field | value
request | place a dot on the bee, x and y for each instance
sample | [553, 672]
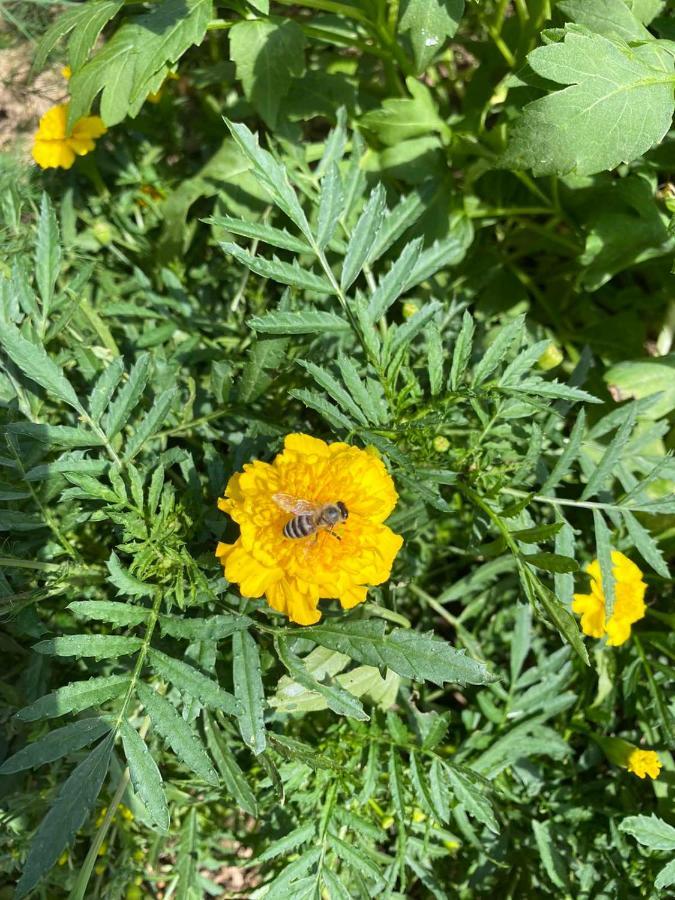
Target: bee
[310, 518]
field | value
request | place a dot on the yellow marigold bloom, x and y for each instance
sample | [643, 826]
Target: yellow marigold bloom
[295, 573]
[54, 149]
[644, 762]
[629, 606]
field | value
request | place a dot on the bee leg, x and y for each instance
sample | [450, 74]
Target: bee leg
[332, 533]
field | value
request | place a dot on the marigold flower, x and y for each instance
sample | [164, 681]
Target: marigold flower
[295, 573]
[628, 756]
[629, 606]
[53, 148]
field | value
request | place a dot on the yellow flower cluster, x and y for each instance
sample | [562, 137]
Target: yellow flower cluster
[644, 762]
[629, 606]
[53, 148]
[295, 573]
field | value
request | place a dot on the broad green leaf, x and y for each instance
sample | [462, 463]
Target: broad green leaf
[145, 776]
[325, 408]
[73, 804]
[267, 54]
[125, 582]
[618, 102]
[230, 771]
[176, 733]
[651, 831]
[259, 231]
[569, 454]
[636, 379]
[33, 361]
[461, 353]
[334, 389]
[212, 628]
[86, 21]
[339, 700]
[151, 422]
[191, 681]
[249, 690]
[606, 468]
[610, 18]
[47, 254]
[134, 61]
[428, 24]
[331, 205]
[308, 321]
[128, 396]
[364, 233]
[55, 744]
[101, 646]
[285, 273]
[110, 611]
[74, 697]
[470, 790]
[401, 118]
[411, 654]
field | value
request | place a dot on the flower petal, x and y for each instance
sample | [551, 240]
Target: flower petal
[53, 154]
[53, 124]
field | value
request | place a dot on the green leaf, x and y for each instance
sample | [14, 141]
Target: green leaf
[363, 396]
[104, 388]
[101, 646]
[56, 744]
[650, 831]
[603, 549]
[109, 611]
[212, 628]
[435, 359]
[606, 468]
[537, 533]
[521, 639]
[55, 435]
[666, 876]
[334, 389]
[397, 220]
[86, 20]
[552, 390]
[133, 62]
[645, 544]
[406, 333]
[470, 790]
[365, 232]
[422, 657]
[637, 379]
[569, 454]
[145, 776]
[47, 254]
[617, 104]
[331, 205]
[338, 699]
[397, 786]
[552, 562]
[510, 333]
[191, 681]
[562, 618]
[461, 353]
[393, 283]
[295, 838]
[285, 273]
[553, 864]
[428, 24]
[125, 582]
[249, 690]
[128, 397]
[33, 361]
[259, 231]
[441, 254]
[73, 804]
[402, 118]
[229, 769]
[306, 321]
[74, 697]
[150, 423]
[266, 354]
[267, 53]
[187, 859]
[330, 412]
[610, 18]
[176, 733]
[355, 857]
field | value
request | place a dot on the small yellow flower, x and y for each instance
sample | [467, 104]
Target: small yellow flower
[629, 606]
[644, 762]
[295, 573]
[54, 149]
[66, 72]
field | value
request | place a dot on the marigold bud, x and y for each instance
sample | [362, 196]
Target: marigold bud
[550, 358]
[441, 444]
[409, 309]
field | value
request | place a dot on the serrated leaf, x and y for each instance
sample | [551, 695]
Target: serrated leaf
[74, 697]
[191, 681]
[355, 857]
[616, 103]
[666, 876]
[87, 20]
[176, 733]
[562, 618]
[230, 771]
[406, 333]
[552, 390]
[552, 562]
[187, 886]
[645, 544]
[310, 321]
[266, 354]
[363, 397]
[393, 284]
[128, 396]
[441, 254]
[109, 611]
[429, 24]
[469, 789]
[411, 654]
[461, 353]
[603, 549]
[550, 857]
[520, 641]
[56, 744]
[260, 231]
[331, 205]
[55, 435]
[285, 273]
[47, 254]
[509, 334]
[33, 361]
[72, 806]
[150, 423]
[101, 646]
[365, 232]
[295, 838]
[569, 454]
[125, 582]
[249, 690]
[606, 468]
[334, 389]
[397, 220]
[211, 628]
[651, 831]
[435, 359]
[145, 776]
[325, 408]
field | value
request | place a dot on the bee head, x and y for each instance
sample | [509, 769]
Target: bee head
[344, 512]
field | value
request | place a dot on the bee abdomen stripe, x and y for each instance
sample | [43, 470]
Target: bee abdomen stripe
[298, 527]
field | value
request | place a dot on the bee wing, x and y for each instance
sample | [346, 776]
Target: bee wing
[294, 505]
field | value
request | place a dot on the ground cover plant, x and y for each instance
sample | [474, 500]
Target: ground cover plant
[406, 262]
